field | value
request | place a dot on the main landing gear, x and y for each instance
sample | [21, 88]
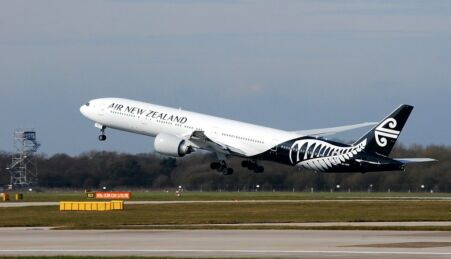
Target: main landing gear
[253, 166]
[102, 136]
[221, 167]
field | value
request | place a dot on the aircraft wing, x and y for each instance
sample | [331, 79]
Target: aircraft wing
[207, 140]
[334, 130]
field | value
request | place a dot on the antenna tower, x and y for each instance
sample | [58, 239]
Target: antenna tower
[23, 169]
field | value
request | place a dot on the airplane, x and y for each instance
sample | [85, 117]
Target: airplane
[178, 132]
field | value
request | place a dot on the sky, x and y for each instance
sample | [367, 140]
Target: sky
[286, 64]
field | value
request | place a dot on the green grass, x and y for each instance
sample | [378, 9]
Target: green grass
[104, 257]
[175, 215]
[202, 196]
[82, 257]
[229, 213]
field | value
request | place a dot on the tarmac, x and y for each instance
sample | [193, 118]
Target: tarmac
[227, 243]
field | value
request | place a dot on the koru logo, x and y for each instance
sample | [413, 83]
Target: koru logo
[386, 130]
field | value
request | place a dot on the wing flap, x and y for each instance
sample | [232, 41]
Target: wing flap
[202, 138]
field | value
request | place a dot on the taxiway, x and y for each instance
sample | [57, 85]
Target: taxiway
[227, 243]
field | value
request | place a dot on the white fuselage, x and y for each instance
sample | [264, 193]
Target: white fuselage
[151, 120]
[178, 132]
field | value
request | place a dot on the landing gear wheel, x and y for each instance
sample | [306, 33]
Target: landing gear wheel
[245, 163]
[215, 165]
[221, 167]
[253, 166]
[227, 171]
[259, 169]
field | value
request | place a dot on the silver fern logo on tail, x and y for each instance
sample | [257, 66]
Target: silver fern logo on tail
[319, 155]
[386, 130]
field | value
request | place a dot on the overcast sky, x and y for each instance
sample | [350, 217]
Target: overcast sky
[286, 64]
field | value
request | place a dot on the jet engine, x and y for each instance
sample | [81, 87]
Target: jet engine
[171, 145]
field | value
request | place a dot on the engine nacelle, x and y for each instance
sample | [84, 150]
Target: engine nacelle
[170, 145]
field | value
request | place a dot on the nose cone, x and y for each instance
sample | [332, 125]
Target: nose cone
[83, 110]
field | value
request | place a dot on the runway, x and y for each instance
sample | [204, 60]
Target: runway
[227, 243]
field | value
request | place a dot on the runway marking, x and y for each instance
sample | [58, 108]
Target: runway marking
[215, 251]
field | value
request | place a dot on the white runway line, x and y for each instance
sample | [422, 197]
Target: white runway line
[216, 251]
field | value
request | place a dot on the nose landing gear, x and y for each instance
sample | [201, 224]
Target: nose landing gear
[102, 136]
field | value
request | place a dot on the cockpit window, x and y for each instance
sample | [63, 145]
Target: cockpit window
[87, 104]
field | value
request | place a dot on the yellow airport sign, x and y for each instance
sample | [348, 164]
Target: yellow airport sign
[91, 205]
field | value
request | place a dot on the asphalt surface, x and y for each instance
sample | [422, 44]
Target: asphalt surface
[227, 243]
[320, 224]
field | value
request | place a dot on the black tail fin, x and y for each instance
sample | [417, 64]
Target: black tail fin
[382, 138]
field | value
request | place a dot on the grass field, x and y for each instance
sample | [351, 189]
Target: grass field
[202, 196]
[87, 257]
[137, 216]
[94, 257]
[331, 207]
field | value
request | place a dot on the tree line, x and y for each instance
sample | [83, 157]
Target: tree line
[95, 169]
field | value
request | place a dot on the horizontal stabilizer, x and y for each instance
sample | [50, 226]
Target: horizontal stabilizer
[414, 160]
[334, 130]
